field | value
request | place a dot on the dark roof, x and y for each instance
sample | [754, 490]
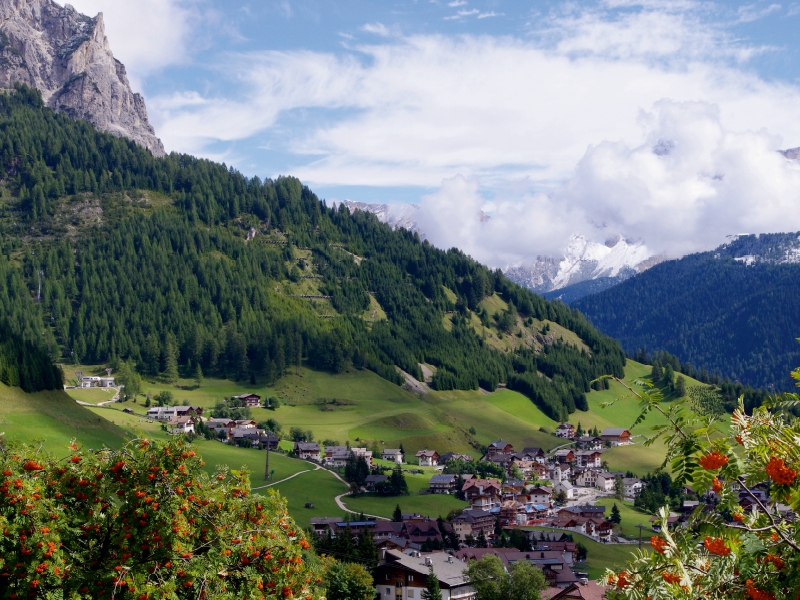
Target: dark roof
[307, 446]
[615, 431]
[376, 478]
[446, 479]
[499, 444]
[585, 509]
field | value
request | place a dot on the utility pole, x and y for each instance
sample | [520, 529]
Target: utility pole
[640, 526]
[266, 469]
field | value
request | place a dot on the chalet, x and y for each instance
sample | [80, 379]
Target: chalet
[586, 511]
[483, 494]
[499, 447]
[595, 528]
[555, 569]
[102, 382]
[502, 460]
[402, 576]
[589, 442]
[448, 456]
[523, 466]
[188, 411]
[606, 480]
[566, 487]
[585, 477]
[373, 480]
[308, 451]
[472, 522]
[246, 424]
[178, 425]
[540, 495]
[258, 438]
[220, 424]
[512, 488]
[251, 400]
[423, 530]
[672, 522]
[392, 454]
[586, 590]
[161, 413]
[589, 458]
[616, 436]
[565, 430]
[428, 458]
[565, 455]
[531, 453]
[443, 484]
[513, 513]
[321, 524]
[540, 470]
[633, 485]
[336, 456]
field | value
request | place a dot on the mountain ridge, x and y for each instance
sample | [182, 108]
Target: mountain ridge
[67, 57]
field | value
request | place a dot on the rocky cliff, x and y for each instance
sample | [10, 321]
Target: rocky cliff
[66, 56]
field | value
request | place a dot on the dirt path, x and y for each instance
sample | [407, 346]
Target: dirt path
[415, 386]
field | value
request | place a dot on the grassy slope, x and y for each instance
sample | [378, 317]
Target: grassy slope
[631, 517]
[55, 419]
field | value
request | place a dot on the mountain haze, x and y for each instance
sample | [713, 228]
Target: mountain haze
[66, 56]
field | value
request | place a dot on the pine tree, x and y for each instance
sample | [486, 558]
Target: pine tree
[615, 517]
[397, 515]
[198, 375]
[482, 542]
[432, 590]
[170, 360]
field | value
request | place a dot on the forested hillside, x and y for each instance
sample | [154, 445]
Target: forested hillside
[181, 264]
[25, 365]
[712, 311]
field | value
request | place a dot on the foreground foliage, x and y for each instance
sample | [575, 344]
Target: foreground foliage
[726, 551]
[142, 522]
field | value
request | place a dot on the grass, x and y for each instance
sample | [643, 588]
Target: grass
[631, 517]
[54, 419]
[92, 395]
[318, 487]
[599, 556]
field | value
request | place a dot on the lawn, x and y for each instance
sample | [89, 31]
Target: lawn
[92, 395]
[432, 505]
[318, 487]
[600, 556]
[54, 419]
[631, 517]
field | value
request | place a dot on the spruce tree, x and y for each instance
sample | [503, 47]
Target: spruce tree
[432, 590]
[397, 515]
[615, 517]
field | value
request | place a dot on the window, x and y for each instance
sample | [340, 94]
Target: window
[387, 577]
[388, 592]
[410, 593]
[411, 578]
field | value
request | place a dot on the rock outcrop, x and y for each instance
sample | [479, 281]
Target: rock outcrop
[66, 56]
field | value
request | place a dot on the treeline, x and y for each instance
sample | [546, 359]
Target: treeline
[182, 287]
[25, 365]
[720, 316]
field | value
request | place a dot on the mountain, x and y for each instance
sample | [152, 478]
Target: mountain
[66, 56]
[614, 261]
[180, 265]
[734, 311]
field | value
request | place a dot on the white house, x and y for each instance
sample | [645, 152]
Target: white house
[308, 451]
[393, 454]
[633, 485]
[90, 382]
[606, 480]
[428, 458]
[540, 495]
[162, 413]
[566, 487]
[565, 430]
[177, 425]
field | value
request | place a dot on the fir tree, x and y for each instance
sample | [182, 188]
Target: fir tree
[615, 517]
[397, 515]
[432, 590]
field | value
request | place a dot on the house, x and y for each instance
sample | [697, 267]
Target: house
[565, 430]
[246, 424]
[559, 472]
[531, 453]
[428, 458]
[251, 400]
[321, 524]
[586, 511]
[616, 436]
[555, 569]
[161, 413]
[499, 447]
[539, 470]
[589, 442]
[540, 495]
[589, 458]
[258, 438]
[586, 590]
[483, 494]
[102, 382]
[565, 455]
[633, 485]
[566, 487]
[393, 454]
[472, 522]
[336, 456]
[405, 577]
[586, 477]
[373, 480]
[606, 480]
[178, 425]
[308, 451]
[219, 424]
[443, 484]
[448, 456]
[672, 522]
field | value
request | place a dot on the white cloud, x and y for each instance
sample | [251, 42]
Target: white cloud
[457, 3]
[146, 35]
[511, 112]
[377, 28]
[754, 12]
[462, 14]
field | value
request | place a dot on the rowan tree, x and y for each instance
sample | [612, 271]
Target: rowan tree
[748, 547]
[142, 522]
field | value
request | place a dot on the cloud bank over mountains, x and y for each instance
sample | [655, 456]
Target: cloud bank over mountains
[643, 119]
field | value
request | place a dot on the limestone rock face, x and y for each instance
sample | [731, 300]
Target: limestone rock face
[66, 56]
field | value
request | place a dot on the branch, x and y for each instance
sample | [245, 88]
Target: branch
[777, 529]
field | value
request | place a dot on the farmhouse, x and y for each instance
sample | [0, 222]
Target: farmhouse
[483, 494]
[565, 455]
[633, 485]
[428, 458]
[499, 447]
[531, 453]
[588, 458]
[586, 511]
[589, 442]
[540, 495]
[554, 566]
[373, 480]
[392, 454]
[308, 451]
[103, 382]
[586, 477]
[565, 430]
[606, 480]
[178, 425]
[448, 456]
[251, 400]
[443, 484]
[403, 576]
[616, 436]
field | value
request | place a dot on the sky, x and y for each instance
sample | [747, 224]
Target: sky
[657, 120]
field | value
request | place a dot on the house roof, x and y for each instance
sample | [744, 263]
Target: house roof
[185, 408]
[631, 480]
[541, 490]
[499, 444]
[444, 479]
[564, 452]
[470, 516]
[584, 509]
[427, 453]
[449, 571]
[615, 431]
[532, 450]
[391, 451]
[376, 478]
[243, 396]
[307, 446]
[180, 420]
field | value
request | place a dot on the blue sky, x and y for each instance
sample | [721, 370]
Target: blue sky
[533, 112]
